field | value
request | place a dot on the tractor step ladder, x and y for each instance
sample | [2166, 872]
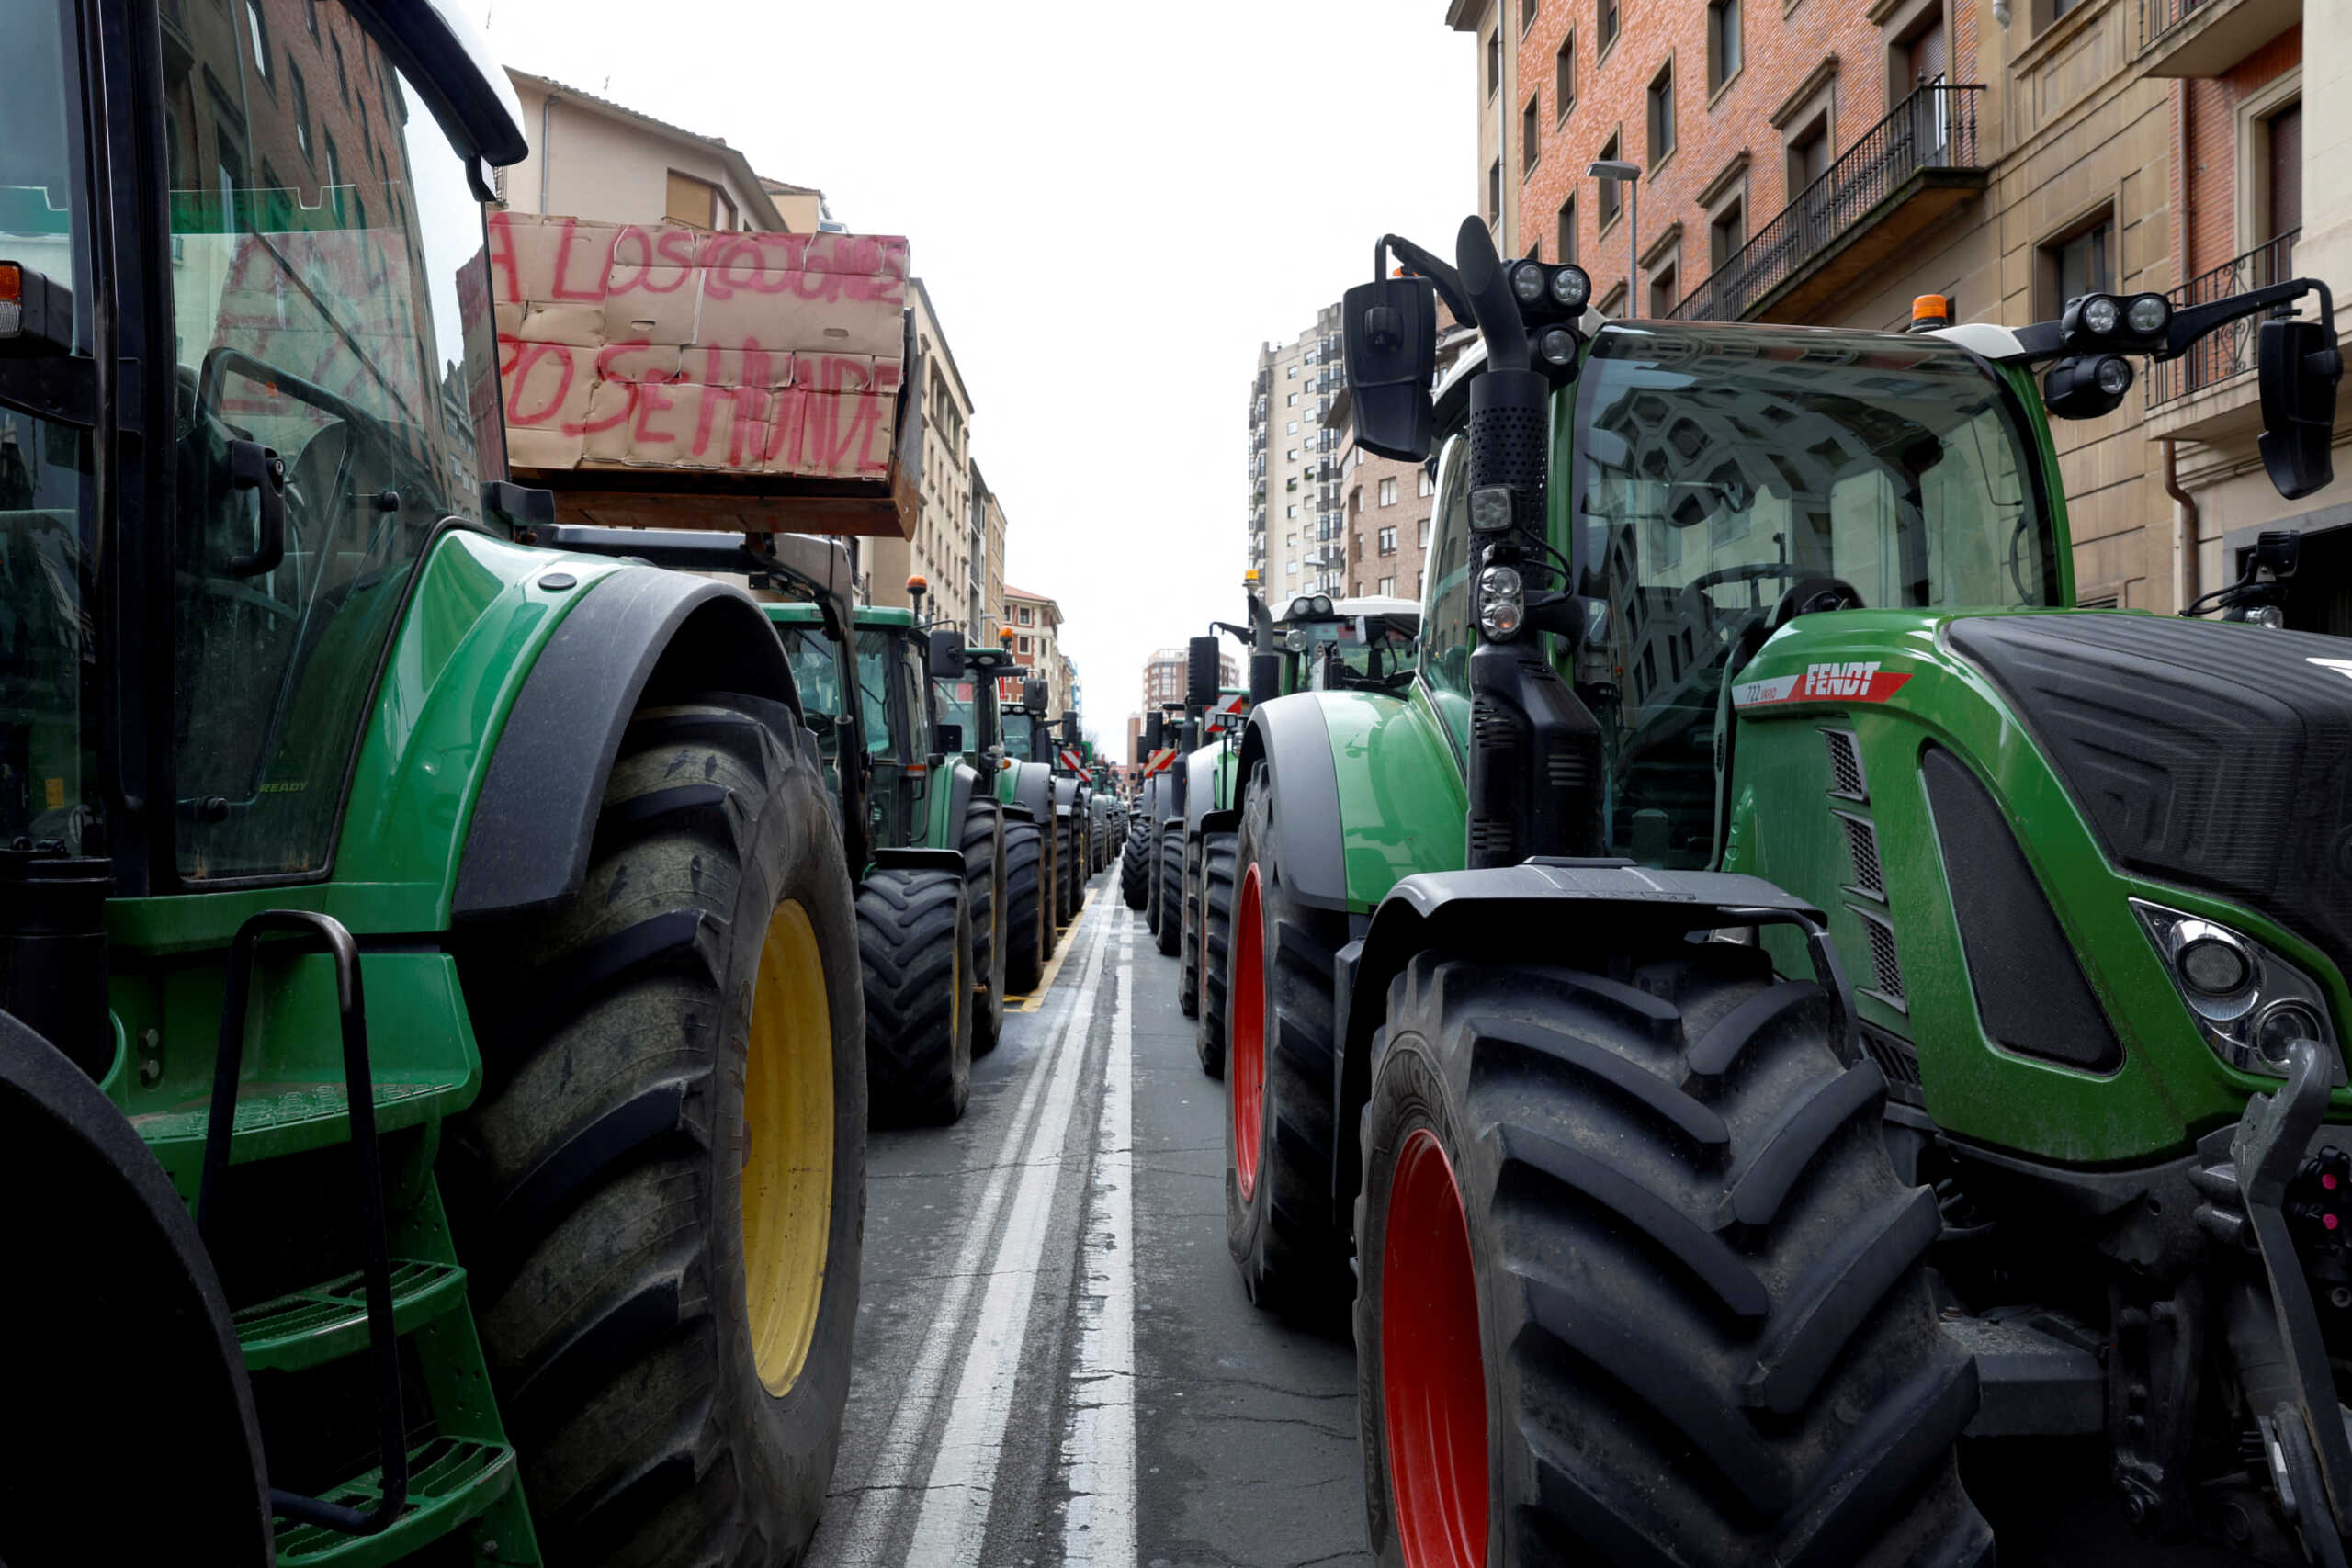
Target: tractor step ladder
[435, 1476]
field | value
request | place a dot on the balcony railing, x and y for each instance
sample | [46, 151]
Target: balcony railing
[2228, 352]
[2158, 17]
[1935, 128]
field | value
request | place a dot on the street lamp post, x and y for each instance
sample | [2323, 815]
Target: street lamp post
[1619, 171]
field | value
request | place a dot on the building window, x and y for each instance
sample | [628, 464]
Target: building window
[1494, 62]
[1612, 304]
[1530, 134]
[1527, 9]
[1421, 533]
[1290, 511]
[1290, 569]
[301, 108]
[1722, 44]
[261, 37]
[1290, 428]
[1294, 401]
[1608, 23]
[1424, 486]
[1726, 232]
[1294, 454]
[1025, 614]
[698, 203]
[1024, 644]
[2279, 191]
[1495, 192]
[1663, 298]
[1567, 236]
[1808, 155]
[2077, 264]
[1388, 493]
[1388, 541]
[1388, 587]
[1608, 191]
[1564, 76]
[1662, 116]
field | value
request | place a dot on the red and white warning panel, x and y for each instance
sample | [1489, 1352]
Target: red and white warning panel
[1072, 761]
[1860, 681]
[1160, 761]
[1226, 713]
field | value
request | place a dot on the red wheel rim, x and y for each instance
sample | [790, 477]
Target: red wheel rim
[1246, 1065]
[1432, 1379]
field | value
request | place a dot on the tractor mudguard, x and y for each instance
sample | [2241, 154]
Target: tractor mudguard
[1551, 909]
[1033, 788]
[1290, 737]
[637, 628]
[1200, 788]
[961, 781]
[919, 860]
[1219, 822]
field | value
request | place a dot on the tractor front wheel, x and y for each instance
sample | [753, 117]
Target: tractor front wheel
[1135, 883]
[1280, 1071]
[1639, 1283]
[1168, 934]
[983, 847]
[1188, 955]
[1216, 938]
[914, 936]
[1027, 944]
[669, 1157]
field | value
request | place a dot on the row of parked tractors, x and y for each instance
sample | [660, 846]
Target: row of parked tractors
[1798, 1043]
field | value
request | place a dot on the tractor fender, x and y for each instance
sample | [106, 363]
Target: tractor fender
[1200, 786]
[1289, 736]
[636, 632]
[962, 780]
[1541, 912]
[1219, 822]
[919, 860]
[1033, 788]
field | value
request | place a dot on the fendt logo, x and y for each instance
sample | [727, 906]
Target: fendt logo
[1839, 680]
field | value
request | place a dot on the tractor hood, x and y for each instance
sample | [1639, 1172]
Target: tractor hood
[2203, 754]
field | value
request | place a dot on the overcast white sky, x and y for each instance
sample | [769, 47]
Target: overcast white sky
[1112, 205]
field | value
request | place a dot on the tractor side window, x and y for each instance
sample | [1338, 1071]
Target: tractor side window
[957, 706]
[874, 662]
[910, 686]
[330, 289]
[1447, 635]
[47, 662]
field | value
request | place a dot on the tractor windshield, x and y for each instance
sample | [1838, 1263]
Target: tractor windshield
[955, 707]
[1019, 732]
[331, 297]
[1728, 478]
[47, 672]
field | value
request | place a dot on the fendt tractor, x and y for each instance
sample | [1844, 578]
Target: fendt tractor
[432, 1075]
[1782, 988]
[1318, 644]
[1033, 740]
[966, 681]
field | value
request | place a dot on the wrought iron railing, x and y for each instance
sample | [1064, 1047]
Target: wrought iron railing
[1935, 128]
[2228, 352]
[2158, 17]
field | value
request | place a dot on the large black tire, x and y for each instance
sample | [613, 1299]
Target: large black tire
[1216, 937]
[914, 941]
[983, 847]
[1135, 883]
[1280, 1069]
[1049, 840]
[1168, 934]
[1188, 947]
[1026, 947]
[660, 1093]
[1639, 1283]
[1074, 851]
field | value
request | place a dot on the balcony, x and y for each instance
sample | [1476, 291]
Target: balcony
[2210, 391]
[2205, 38]
[1906, 175]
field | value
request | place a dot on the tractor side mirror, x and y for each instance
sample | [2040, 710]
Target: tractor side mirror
[2299, 366]
[1155, 734]
[1035, 695]
[1069, 730]
[1203, 665]
[947, 739]
[1390, 343]
[947, 654]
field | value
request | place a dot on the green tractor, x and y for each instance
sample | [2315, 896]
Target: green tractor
[432, 1072]
[966, 684]
[1034, 738]
[1780, 988]
[1154, 853]
[1319, 644]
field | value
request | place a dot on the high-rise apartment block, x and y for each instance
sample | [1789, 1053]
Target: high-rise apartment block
[1297, 535]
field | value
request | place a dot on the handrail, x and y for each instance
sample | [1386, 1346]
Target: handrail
[2217, 356]
[1935, 128]
[2158, 17]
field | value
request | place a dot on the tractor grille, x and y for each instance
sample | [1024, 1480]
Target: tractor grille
[1898, 1060]
[1844, 765]
[1886, 970]
[1861, 845]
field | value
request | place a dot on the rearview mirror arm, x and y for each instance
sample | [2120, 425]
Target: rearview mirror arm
[2196, 321]
[1447, 280]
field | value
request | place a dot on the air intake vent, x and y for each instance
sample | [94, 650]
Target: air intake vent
[1844, 765]
[1861, 844]
[1886, 970]
[1899, 1060]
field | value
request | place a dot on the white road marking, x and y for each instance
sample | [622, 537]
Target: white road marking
[963, 1474]
[1098, 1450]
[865, 1542]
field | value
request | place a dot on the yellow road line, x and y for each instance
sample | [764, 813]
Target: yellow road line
[1036, 998]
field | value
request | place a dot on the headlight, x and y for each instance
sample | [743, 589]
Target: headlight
[2149, 314]
[1559, 346]
[1571, 286]
[1295, 639]
[1527, 282]
[1490, 509]
[1322, 604]
[2101, 314]
[2113, 375]
[2249, 1003]
[1501, 605]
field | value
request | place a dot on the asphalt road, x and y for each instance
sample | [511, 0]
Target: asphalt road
[1055, 1361]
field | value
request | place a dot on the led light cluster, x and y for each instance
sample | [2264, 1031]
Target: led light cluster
[2249, 1003]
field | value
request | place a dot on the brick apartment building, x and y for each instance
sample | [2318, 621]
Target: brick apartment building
[1163, 682]
[1388, 506]
[1825, 161]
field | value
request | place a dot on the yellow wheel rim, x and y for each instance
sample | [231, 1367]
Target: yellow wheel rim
[788, 1148]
